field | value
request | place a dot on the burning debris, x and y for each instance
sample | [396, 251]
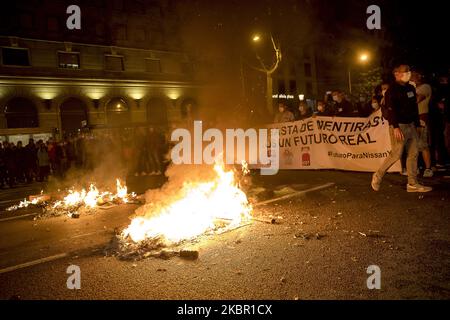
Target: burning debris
[184, 210]
[76, 201]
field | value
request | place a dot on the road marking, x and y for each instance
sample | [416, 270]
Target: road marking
[84, 235]
[14, 200]
[18, 217]
[34, 262]
[295, 194]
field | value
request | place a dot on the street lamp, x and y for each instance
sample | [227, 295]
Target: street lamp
[256, 38]
[268, 70]
[362, 58]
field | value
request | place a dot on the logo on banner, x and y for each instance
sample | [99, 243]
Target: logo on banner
[306, 157]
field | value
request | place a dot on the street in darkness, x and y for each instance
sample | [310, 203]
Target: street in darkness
[223, 159]
[319, 249]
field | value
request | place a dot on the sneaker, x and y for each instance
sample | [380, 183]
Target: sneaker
[376, 181]
[428, 173]
[417, 188]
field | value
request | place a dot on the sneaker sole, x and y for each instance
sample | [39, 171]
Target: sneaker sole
[418, 191]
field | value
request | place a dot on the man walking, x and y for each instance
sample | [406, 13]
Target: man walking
[402, 113]
[423, 92]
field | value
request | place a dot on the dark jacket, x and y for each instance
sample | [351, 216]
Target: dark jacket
[401, 105]
[344, 109]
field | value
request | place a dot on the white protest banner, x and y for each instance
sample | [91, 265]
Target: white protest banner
[355, 144]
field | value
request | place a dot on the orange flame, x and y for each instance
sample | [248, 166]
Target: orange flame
[197, 212]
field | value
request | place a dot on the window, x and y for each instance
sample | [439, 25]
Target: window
[117, 112]
[21, 113]
[114, 63]
[153, 65]
[292, 86]
[69, 60]
[15, 57]
[309, 88]
[308, 72]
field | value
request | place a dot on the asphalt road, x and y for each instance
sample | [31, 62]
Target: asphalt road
[320, 249]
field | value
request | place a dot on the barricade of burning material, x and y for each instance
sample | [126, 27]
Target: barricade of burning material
[76, 202]
[183, 212]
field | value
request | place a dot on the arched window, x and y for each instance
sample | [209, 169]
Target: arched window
[117, 112]
[21, 113]
[73, 115]
[157, 112]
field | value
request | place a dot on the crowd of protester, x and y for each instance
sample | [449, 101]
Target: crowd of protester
[140, 150]
[433, 100]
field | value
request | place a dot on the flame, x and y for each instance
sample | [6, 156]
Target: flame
[122, 191]
[76, 198]
[23, 204]
[197, 212]
[245, 169]
[91, 198]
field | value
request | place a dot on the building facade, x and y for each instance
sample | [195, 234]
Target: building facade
[122, 69]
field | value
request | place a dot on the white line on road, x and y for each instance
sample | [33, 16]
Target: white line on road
[295, 194]
[34, 262]
[18, 217]
[14, 200]
[51, 258]
[84, 235]
[63, 255]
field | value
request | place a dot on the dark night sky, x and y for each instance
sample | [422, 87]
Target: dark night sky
[418, 30]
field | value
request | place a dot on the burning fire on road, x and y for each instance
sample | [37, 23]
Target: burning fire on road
[75, 200]
[185, 210]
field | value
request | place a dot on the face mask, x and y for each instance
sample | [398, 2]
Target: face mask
[406, 76]
[375, 105]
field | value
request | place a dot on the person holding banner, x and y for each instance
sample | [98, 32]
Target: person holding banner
[322, 109]
[283, 115]
[303, 111]
[343, 107]
[401, 111]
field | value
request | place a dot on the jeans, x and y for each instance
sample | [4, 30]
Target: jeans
[410, 139]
